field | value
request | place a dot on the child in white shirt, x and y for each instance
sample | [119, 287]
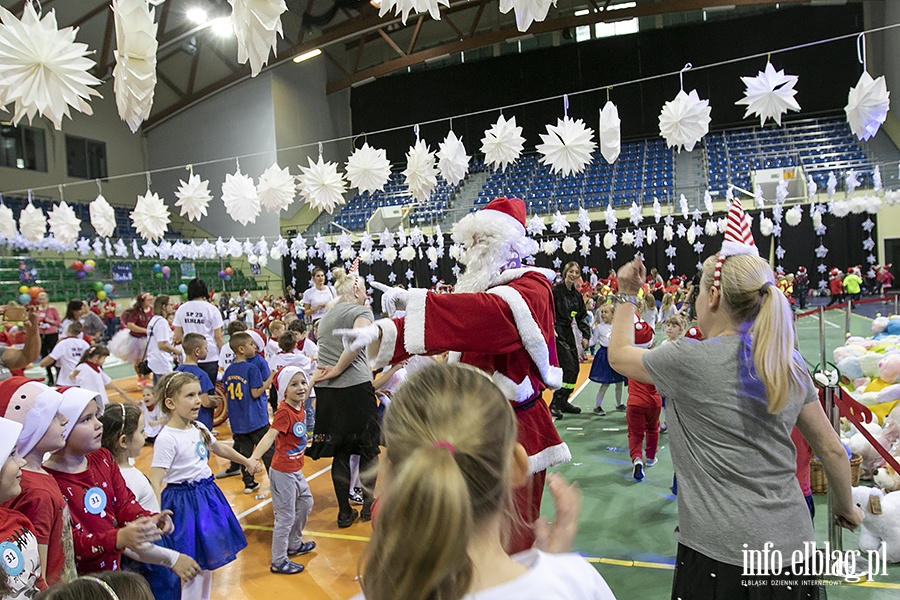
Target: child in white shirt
[154, 418]
[66, 354]
[89, 374]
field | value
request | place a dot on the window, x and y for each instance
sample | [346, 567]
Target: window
[22, 147]
[85, 158]
[616, 28]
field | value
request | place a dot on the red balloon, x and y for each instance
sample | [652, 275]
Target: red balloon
[22, 266]
[77, 266]
[229, 271]
[33, 291]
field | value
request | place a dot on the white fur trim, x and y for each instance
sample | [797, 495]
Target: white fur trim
[454, 357]
[414, 322]
[554, 378]
[730, 248]
[388, 343]
[474, 223]
[512, 274]
[529, 331]
[517, 392]
[549, 457]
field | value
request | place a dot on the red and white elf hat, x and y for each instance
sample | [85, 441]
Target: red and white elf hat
[738, 238]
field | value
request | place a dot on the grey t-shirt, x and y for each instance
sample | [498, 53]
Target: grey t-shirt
[734, 461]
[341, 316]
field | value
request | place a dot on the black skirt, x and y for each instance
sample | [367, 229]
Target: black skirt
[346, 420]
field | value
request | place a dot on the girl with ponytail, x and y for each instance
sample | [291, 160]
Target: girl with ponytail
[452, 463]
[732, 401]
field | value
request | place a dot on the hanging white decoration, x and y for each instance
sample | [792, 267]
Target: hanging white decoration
[535, 226]
[851, 181]
[758, 199]
[43, 69]
[610, 132]
[455, 251]
[240, 198]
[135, 72]
[404, 7]
[321, 185]
[150, 216]
[584, 219]
[684, 120]
[831, 185]
[420, 172]
[766, 225]
[873, 204]
[816, 217]
[668, 232]
[651, 235]
[389, 254]
[634, 214]
[769, 95]
[368, 169]
[781, 191]
[276, 188]
[560, 223]
[549, 247]
[193, 197]
[811, 187]
[840, 208]
[257, 25]
[32, 223]
[793, 216]
[64, 225]
[711, 227]
[527, 11]
[121, 249]
[584, 247]
[502, 143]
[569, 245]
[857, 205]
[103, 216]
[567, 146]
[7, 223]
[407, 253]
[609, 239]
[331, 257]
[723, 224]
[610, 216]
[691, 234]
[432, 255]
[365, 257]
[877, 184]
[867, 106]
[627, 237]
[657, 209]
[708, 202]
[683, 205]
[681, 230]
[639, 238]
[453, 161]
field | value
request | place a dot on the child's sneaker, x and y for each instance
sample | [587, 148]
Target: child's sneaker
[598, 410]
[620, 407]
[638, 472]
[663, 428]
[356, 496]
[251, 487]
[651, 461]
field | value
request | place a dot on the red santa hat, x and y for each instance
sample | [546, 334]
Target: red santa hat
[801, 269]
[283, 377]
[738, 238]
[31, 404]
[693, 333]
[503, 219]
[9, 433]
[643, 333]
[258, 338]
[74, 401]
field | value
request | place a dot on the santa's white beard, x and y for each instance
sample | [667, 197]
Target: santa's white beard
[483, 262]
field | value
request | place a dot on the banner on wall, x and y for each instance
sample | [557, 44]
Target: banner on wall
[188, 270]
[121, 272]
[254, 270]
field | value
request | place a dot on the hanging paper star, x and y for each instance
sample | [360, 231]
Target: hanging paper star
[321, 185]
[698, 247]
[453, 161]
[651, 235]
[611, 255]
[868, 225]
[681, 231]
[831, 185]
[567, 146]
[557, 263]
[83, 246]
[150, 216]
[584, 219]
[240, 198]
[404, 7]
[389, 255]
[193, 197]
[670, 251]
[368, 169]
[867, 106]
[657, 209]
[851, 181]
[868, 244]
[610, 132]
[683, 204]
[569, 245]
[420, 173]
[257, 25]
[627, 237]
[684, 120]
[668, 232]
[276, 189]
[609, 239]
[502, 143]
[527, 11]
[793, 216]
[64, 225]
[32, 223]
[7, 223]
[769, 95]
[560, 223]
[610, 215]
[634, 214]
[103, 216]
[535, 226]
[135, 71]
[43, 69]
[671, 268]
[639, 238]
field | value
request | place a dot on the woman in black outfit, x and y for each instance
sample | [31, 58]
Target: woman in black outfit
[569, 308]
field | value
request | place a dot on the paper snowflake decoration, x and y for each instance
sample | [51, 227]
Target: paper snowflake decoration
[627, 237]
[560, 223]
[321, 185]
[769, 95]
[240, 198]
[32, 223]
[502, 143]
[766, 225]
[527, 11]
[453, 161]
[407, 253]
[276, 189]
[404, 7]
[711, 227]
[566, 146]
[877, 184]
[103, 216]
[135, 71]
[569, 245]
[657, 209]
[651, 235]
[550, 247]
[193, 197]
[584, 219]
[150, 216]
[610, 216]
[831, 184]
[684, 120]
[610, 132]
[389, 254]
[257, 25]
[368, 169]
[64, 225]
[867, 106]
[635, 216]
[7, 223]
[668, 232]
[43, 70]
[420, 173]
[535, 226]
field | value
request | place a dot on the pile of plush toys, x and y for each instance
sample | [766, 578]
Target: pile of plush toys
[870, 373]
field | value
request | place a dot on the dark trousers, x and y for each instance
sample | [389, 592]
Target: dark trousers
[48, 340]
[568, 362]
[244, 443]
[340, 478]
[211, 369]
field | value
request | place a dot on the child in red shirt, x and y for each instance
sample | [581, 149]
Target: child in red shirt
[106, 518]
[291, 499]
[642, 412]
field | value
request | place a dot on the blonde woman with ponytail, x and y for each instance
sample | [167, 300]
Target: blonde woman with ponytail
[732, 402]
[452, 463]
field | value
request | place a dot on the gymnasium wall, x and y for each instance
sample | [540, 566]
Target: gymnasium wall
[826, 73]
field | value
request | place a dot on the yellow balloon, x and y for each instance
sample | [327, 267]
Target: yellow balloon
[101, 295]
[23, 289]
[91, 262]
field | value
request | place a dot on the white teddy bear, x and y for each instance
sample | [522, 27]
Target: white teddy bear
[877, 528]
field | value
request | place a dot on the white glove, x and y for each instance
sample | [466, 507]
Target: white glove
[397, 296]
[359, 337]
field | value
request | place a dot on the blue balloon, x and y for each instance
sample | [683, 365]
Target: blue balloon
[24, 298]
[183, 288]
[228, 278]
[108, 288]
[157, 268]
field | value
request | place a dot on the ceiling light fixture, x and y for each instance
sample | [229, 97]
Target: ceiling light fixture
[582, 12]
[621, 6]
[222, 26]
[307, 55]
[196, 15]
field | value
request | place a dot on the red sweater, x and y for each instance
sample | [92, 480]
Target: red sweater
[643, 394]
[99, 503]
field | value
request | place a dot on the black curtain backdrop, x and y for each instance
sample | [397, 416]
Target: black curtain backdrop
[844, 240]
[826, 74]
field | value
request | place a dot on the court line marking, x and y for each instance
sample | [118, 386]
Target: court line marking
[267, 501]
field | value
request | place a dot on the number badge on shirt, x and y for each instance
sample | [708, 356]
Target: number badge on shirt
[95, 501]
[11, 559]
[299, 429]
[202, 450]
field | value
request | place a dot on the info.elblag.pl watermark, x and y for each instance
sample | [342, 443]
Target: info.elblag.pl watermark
[770, 567]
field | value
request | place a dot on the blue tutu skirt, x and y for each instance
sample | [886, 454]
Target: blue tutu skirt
[601, 372]
[206, 528]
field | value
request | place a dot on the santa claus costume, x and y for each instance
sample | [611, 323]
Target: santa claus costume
[499, 319]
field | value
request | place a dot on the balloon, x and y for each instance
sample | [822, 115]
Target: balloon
[90, 262]
[166, 270]
[101, 295]
[228, 278]
[33, 291]
[98, 286]
[77, 265]
[22, 266]
[33, 272]
[166, 276]
[183, 288]
[229, 271]
[222, 274]
[24, 299]
[88, 268]
[81, 274]
[23, 289]
[157, 268]
[158, 275]
[108, 288]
